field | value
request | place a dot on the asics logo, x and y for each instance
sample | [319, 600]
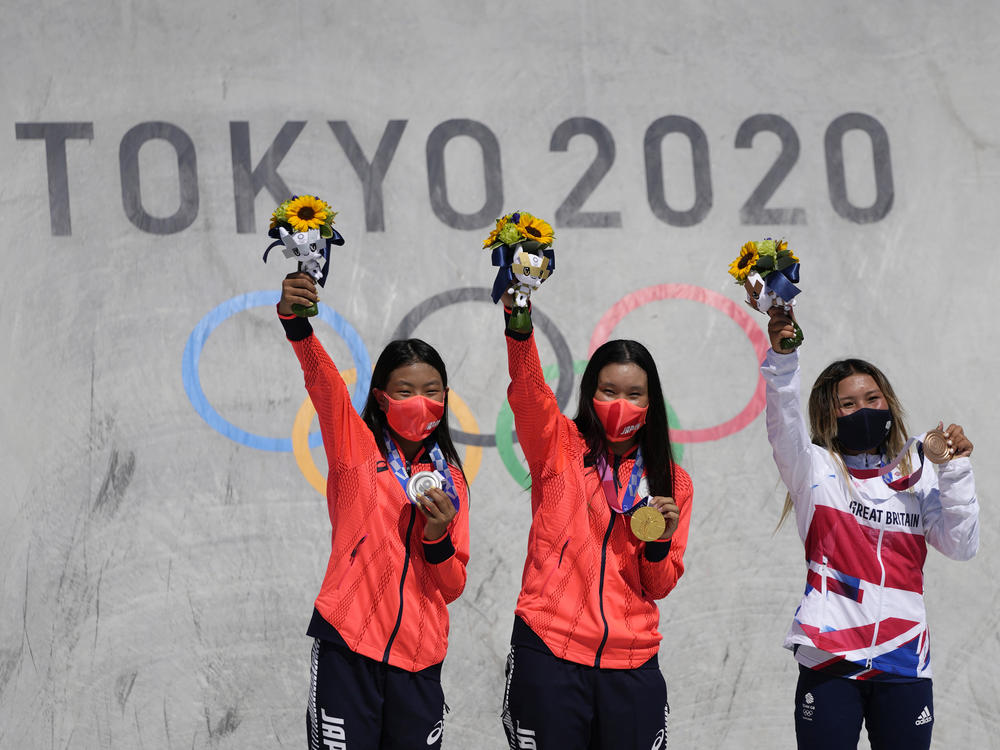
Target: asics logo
[436, 733]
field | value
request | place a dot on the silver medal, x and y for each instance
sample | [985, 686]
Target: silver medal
[420, 482]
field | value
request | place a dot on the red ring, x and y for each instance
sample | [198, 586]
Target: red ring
[758, 340]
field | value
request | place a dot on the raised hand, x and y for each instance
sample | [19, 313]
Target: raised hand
[298, 288]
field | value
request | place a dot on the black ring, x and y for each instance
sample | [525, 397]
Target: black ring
[564, 358]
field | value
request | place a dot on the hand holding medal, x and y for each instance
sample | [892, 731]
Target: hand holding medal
[438, 512]
[521, 247]
[937, 447]
[769, 271]
[426, 490]
[303, 225]
[656, 520]
[941, 445]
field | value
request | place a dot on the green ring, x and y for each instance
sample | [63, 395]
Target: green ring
[505, 426]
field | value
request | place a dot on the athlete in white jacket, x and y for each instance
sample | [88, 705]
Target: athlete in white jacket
[860, 631]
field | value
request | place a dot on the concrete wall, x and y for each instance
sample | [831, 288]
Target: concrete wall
[161, 549]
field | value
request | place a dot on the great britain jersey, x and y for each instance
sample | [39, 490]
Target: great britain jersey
[862, 613]
[589, 587]
[386, 590]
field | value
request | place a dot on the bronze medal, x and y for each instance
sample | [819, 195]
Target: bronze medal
[648, 524]
[936, 448]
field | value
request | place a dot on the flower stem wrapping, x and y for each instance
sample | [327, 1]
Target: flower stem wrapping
[795, 341]
[520, 320]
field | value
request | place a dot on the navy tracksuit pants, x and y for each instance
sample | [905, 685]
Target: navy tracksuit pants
[829, 711]
[357, 703]
[553, 704]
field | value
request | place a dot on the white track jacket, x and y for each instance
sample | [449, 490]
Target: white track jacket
[862, 614]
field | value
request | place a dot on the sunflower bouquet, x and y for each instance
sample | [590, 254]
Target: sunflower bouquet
[769, 271]
[521, 248]
[303, 225]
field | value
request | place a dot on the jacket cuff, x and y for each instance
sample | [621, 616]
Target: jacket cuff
[516, 335]
[956, 467]
[657, 551]
[781, 363]
[439, 550]
[296, 328]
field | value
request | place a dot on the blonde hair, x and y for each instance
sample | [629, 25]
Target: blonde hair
[824, 405]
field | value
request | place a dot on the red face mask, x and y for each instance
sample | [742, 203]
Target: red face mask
[621, 418]
[413, 418]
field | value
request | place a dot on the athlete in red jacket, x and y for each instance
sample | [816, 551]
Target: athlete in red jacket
[380, 621]
[583, 668]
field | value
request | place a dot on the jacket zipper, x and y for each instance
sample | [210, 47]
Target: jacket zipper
[552, 572]
[881, 592]
[604, 560]
[350, 564]
[402, 577]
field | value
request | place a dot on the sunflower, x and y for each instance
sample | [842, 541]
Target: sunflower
[740, 268]
[307, 212]
[519, 226]
[535, 229]
[492, 239]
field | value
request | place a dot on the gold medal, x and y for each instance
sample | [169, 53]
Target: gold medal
[936, 448]
[648, 524]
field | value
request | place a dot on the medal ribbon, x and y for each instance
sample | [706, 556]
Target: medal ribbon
[903, 483]
[448, 486]
[627, 501]
[398, 468]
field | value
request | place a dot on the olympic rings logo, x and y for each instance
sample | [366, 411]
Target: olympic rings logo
[301, 441]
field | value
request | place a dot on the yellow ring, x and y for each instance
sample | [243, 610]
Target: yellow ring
[473, 453]
[304, 417]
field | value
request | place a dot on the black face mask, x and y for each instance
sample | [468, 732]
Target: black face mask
[864, 429]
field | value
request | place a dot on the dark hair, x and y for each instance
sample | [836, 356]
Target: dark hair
[400, 353]
[653, 437]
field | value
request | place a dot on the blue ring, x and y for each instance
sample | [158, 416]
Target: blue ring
[201, 332]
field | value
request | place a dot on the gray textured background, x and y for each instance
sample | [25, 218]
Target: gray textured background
[156, 576]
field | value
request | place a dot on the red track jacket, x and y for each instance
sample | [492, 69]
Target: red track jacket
[385, 590]
[587, 590]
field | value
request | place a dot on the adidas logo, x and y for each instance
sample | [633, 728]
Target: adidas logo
[924, 718]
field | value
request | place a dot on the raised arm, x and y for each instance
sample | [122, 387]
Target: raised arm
[346, 438]
[536, 411]
[786, 426]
